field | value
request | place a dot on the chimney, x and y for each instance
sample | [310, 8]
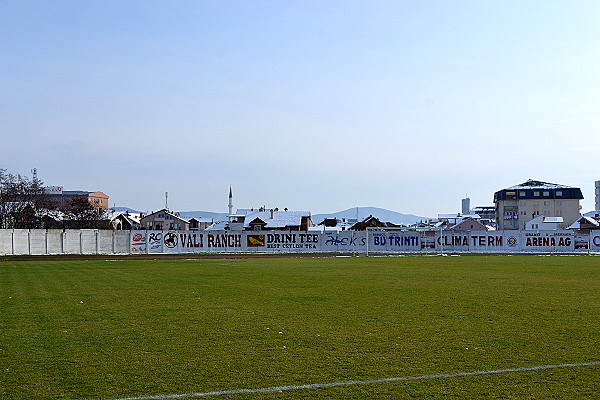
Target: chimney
[272, 213]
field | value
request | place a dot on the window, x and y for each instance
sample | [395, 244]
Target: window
[546, 194]
[559, 193]
[522, 194]
[537, 194]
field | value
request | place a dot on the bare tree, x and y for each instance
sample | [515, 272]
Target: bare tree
[81, 214]
[23, 202]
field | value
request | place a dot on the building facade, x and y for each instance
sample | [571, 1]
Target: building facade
[62, 198]
[597, 196]
[519, 204]
[164, 220]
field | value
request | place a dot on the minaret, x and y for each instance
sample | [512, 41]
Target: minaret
[230, 202]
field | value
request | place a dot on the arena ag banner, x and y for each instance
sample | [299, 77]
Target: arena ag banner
[548, 241]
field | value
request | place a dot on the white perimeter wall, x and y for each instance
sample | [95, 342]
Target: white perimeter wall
[91, 241]
[57, 241]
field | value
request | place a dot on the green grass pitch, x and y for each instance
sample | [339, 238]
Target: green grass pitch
[141, 328]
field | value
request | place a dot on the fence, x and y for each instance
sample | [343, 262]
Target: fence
[92, 241]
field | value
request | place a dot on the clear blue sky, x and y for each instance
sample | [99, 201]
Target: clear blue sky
[312, 105]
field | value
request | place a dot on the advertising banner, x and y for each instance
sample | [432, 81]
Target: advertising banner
[344, 242]
[198, 241]
[595, 240]
[75, 241]
[548, 241]
[293, 242]
[155, 241]
[138, 242]
[479, 241]
[582, 242]
[394, 241]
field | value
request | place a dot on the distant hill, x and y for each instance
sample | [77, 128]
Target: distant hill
[363, 212]
[349, 214]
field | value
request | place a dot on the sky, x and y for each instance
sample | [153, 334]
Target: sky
[312, 105]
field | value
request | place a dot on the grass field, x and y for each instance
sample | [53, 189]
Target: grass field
[135, 328]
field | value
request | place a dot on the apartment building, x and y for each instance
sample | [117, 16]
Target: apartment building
[519, 204]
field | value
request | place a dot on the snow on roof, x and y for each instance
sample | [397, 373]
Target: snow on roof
[592, 214]
[322, 228]
[532, 184]
[465, 219]
[202, 219]
[131, 217]
[218, 226]
[585, 220]
[554, 220]
[280, 219]
[167, 212]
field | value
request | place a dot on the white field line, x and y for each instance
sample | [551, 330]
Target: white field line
[349, 383]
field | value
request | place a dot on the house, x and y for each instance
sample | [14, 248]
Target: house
[219, 226]
[263, 219]
[200, 224]
[164, 220]
[333, 225]
[587, 222]
[543, 223]
[468, 224]
[126, 221]
[487, 214]
[372, 222]
[274, 219]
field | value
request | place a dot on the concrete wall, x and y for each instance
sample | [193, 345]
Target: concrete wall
[91, 241]
[57, 241]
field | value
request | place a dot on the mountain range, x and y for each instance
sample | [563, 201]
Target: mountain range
[360, 213]
[355, 213]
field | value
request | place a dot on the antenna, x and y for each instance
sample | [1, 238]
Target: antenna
[166, 200]
[34, 173]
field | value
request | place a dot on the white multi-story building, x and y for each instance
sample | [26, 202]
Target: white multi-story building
[597, 196]
[517, 205]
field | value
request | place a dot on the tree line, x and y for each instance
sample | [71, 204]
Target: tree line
[25, 204]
